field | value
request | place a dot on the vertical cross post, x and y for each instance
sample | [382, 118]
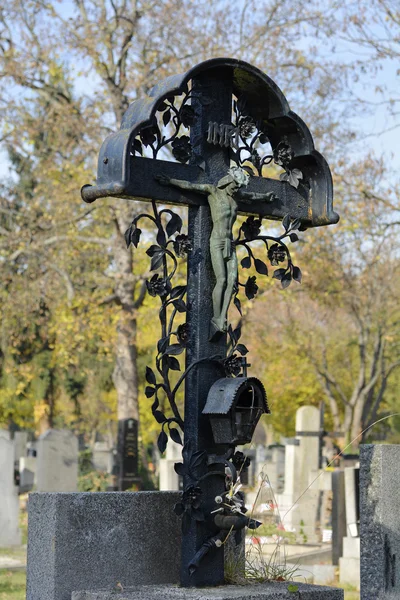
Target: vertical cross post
[217, 87]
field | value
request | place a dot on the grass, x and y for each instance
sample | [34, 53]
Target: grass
[12, 585]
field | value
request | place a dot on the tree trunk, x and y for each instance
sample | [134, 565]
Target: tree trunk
[356, 425]
[125, 374]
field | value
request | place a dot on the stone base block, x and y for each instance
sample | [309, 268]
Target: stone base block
[351, 547]
[260, 591]
[349, 571]
[78, 541]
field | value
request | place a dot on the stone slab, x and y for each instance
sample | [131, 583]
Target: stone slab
[10, 534]
[57, 461]
[380, 521]
[79, 541]
[349, 571]
[264, 591]
[351, 547]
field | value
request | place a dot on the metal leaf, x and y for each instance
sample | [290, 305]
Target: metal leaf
[173, 363]
[135, 237]
[177, 291]
[237, 333]
[175, 436]
[166, 117]
[162, 344]
[159, 416]
[149, 391]
[180, 305]
[127, 236]
[261, 267]
[174, 225]
[150, 377]
[180, 469]
[246, 262]
[297, 274]
[296, 224]
[241, 348]
[278, 274]
[137, 146]
[174, 349]
[293, 237]
[162, 442]
[286, 222]
[154, 249]
[286, 280]
[238, 304]
[157, 261]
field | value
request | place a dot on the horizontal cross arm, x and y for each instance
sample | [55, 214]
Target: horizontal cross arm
[142, 184]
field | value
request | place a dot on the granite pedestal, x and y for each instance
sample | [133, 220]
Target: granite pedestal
[80, 541]
[380, 522]
[263, 591]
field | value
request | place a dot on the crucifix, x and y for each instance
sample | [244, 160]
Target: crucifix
[241, 133]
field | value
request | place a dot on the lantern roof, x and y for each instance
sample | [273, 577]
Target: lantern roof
[224, 393]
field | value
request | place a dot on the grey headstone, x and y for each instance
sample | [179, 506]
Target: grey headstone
[103, 457]
[27, 473]
[338, 515]
[95, 541]
[20, 442]
[300, 509]
[57, 461]
[266, 591]
[168, 478]
[380, 522]
[10, 534]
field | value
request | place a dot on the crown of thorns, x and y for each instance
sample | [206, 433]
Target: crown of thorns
[236, 174]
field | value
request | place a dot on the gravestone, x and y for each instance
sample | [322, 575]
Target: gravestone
[27, 473]
[103, 457]
[380, 521]
[127, 454]
[300, 509]
[349, 563]
[84, 540]
[10, 534]
[20, 445]
[338, 515]
[169, 479]
[57, 461]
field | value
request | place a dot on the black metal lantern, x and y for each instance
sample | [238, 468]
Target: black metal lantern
[235, 406]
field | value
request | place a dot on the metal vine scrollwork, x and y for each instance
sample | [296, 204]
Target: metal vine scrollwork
[171, 244]
[174, 115]
[250, 143]
[277, 253]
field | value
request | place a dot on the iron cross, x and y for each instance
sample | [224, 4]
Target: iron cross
[218, 89]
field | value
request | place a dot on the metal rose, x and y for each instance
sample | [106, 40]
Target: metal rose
[157, 286]
[251, 228]
[148, 135]
[182, 148]
[240, 461]
[183, 334]
[233, 365]
[251, 288]
[189, 506]
[187, 115]
[276, 254]
[182, 245]
[283, 154]
[246, 127]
